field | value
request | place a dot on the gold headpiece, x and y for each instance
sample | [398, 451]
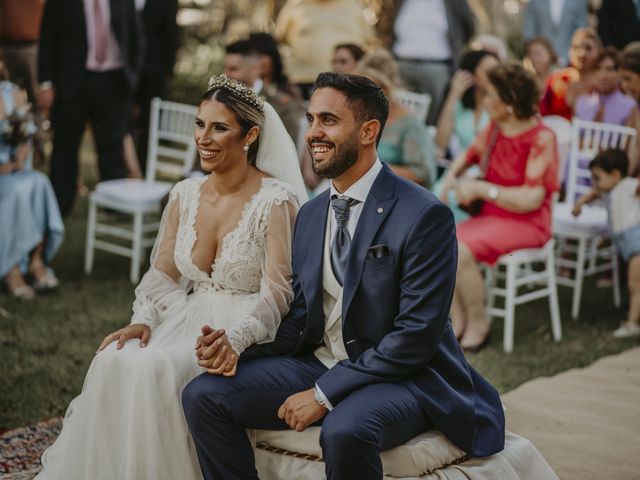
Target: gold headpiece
[237, 88]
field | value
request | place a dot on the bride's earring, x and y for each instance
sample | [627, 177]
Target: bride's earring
[246, 147]
[509, 109]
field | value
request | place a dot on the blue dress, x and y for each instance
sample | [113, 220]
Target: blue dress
[29, 212]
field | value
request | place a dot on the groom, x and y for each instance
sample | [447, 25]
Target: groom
[366, 350]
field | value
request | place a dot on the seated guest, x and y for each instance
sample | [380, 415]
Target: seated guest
[272, 69]
[491, 43]
[609, 173]
[383, 61]
[630, 70]
[242, 62]
[463, 115]
[540, 59]
[607, 104]
[346, 56]
[405, 144]
[518, 157]
[565, 85]
[32, 226]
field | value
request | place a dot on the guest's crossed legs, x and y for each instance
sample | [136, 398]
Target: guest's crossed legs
[370, 420]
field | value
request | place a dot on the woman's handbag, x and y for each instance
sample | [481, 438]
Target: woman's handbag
[474, 207]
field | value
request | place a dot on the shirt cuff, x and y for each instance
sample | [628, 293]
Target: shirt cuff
[325, 400]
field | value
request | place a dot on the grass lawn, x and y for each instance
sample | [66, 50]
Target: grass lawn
[47, 345]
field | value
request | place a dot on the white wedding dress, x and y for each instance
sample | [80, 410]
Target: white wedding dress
[128, 422]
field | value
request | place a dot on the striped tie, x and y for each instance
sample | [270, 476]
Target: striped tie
[342, 240]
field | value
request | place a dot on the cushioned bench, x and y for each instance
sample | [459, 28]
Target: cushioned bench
[289, 455]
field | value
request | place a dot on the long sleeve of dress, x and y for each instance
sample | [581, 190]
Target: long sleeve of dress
[160, 293]
[276, 291]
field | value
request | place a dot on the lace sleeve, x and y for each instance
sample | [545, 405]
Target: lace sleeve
[276, 292]
[542, 163]
[159, 294]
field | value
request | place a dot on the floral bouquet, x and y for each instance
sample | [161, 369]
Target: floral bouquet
[17, 128]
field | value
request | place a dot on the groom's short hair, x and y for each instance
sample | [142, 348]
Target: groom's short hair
[365, 97]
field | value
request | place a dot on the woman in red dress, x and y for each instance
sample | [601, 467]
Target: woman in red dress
[518, 155]
[565, 85]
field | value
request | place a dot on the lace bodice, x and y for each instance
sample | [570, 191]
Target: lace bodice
[238, 269]
[254, 260]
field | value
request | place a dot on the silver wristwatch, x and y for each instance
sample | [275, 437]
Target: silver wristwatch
[493, 192]
[318, 398]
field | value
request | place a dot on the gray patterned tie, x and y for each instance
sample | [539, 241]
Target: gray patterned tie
[342, 240]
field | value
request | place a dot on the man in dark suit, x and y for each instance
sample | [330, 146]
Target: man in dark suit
[161, 39]
[367, 347]
[89, 59]
[619, 22]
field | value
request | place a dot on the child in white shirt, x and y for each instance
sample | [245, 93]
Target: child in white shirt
[609, 173]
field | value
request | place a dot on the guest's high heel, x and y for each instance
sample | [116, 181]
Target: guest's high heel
[479, 346]
[46, 280]
[17, 288]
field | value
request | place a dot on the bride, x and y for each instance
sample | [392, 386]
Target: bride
[222, 257]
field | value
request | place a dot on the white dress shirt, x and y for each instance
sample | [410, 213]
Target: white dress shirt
[358, 191]
[113, 60]
[556, 7]
[422, 31]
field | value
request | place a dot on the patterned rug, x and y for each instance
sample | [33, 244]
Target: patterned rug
[20, 449]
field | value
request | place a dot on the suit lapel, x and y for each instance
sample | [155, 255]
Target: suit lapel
[378, 205]
[311, 274]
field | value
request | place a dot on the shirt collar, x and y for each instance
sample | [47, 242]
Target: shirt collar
[360, 190]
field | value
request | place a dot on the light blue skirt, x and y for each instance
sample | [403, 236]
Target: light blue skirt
[29, 215]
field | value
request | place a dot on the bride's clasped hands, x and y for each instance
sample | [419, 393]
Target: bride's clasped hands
[215, 353]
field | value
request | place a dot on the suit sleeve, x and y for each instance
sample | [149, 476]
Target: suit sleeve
[582, 19]
[48, 40]
[530, 27]
[292, 325]
[137, 36]
[171, 31]
[428, 272]
[468, 22]
[605, 24]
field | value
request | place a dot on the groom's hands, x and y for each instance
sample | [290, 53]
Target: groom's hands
[215, 354]
[301, 410]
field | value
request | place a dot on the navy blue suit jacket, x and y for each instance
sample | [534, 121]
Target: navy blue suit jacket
[396, 325]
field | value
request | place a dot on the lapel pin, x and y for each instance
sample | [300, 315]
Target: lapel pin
[380, 210]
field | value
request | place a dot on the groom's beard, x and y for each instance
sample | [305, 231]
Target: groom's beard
[343, 158]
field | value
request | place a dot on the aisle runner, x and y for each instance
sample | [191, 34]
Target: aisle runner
[20, 449]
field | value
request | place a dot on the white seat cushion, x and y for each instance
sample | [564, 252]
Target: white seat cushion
[426, 452]
[133, 191]
[592, 219]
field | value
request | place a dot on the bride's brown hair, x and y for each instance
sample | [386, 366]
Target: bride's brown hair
[247, 115]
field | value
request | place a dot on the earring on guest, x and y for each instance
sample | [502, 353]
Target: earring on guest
[246, 147]
[509, 109]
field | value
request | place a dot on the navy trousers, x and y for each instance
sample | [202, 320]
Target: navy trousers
[370, 420]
